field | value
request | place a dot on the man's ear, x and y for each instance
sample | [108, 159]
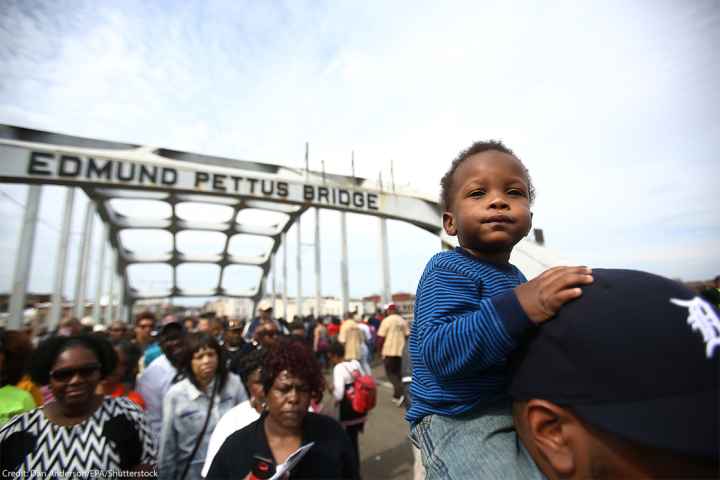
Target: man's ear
[549, 429]
[449, 224]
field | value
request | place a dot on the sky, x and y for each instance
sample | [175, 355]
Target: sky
[614, 107]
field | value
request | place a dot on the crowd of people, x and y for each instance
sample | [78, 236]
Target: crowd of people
[187, 398]
[578, 373]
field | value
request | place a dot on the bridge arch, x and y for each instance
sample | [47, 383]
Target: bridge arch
[113, 173]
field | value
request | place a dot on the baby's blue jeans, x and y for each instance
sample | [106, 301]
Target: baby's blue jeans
[473, 446]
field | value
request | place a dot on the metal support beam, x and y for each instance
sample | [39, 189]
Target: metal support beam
[81, 276]
[126, 309]
[318, 277]
[344, 275]
[97, 308]
[111, 289]
[298, 266]
[384, 258]
[274, 281]
[284, 275]
[119, 314]
[56, 303]
[23, 258]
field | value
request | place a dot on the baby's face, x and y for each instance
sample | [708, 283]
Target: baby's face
[490, 209]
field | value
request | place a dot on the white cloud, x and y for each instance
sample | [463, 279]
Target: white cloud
[613, 107]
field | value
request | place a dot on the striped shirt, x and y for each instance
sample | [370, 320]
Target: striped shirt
[467, 321]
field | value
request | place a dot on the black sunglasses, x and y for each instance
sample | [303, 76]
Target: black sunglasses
[66, 374]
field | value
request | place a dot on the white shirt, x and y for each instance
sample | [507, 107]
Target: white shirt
[342, 375]
[366, 330]
[153, 384]
[236, 418]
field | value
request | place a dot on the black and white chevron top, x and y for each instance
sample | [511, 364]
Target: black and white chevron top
[113, 439]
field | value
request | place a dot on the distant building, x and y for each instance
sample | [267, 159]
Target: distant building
[232, 308]
[405, 303]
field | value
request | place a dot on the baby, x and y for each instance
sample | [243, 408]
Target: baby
[472, 309]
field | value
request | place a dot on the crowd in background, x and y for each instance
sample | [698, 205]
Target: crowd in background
[193, 397]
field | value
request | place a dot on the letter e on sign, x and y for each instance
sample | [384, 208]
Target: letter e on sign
[38, 164]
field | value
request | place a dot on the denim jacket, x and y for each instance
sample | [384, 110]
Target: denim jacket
[184, 410]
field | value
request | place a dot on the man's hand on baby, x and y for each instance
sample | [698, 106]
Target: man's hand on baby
[542, 297]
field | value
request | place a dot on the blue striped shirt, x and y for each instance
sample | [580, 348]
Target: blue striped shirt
[467, 321]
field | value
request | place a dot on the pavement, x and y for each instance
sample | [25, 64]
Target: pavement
[385, 451]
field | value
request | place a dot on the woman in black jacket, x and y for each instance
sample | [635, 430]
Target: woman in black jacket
[291, 378]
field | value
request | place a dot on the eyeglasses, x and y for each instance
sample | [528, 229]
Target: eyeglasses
[267, 333]
[64, 375]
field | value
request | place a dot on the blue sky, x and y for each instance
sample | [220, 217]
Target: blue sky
[613, 106]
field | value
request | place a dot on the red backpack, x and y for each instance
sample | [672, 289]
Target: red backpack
[363, 392]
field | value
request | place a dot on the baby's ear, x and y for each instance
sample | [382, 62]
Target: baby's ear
[449, 224]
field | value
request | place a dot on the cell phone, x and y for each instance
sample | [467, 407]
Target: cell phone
[263, 468]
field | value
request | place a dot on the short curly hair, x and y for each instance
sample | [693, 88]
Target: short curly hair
[446, 183]
[298, 359]
[48, 351]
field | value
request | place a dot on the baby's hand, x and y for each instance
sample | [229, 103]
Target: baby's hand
[542, 297]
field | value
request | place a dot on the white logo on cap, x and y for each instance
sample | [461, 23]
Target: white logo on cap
[702, 317]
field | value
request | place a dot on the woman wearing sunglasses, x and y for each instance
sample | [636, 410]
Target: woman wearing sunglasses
[79, 433]
[193, 407]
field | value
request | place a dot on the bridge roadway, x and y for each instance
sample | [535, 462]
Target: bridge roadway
[385, 451]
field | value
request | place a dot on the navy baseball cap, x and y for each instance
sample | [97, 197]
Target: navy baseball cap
[637, 355]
